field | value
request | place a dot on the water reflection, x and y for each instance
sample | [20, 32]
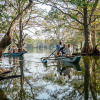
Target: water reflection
[90, 77]
[65, 68]
[2, 95]
[15, 86]
[55, 80]
[75, 66]
[88, 88]
[65, 71]
[21, 79]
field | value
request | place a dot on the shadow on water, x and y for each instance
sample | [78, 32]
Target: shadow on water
[51, 81]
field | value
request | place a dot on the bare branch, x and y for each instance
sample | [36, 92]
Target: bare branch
[25, 36]
[16, 35]
[13, 6]
[70, 16]
[76, 10]
[94, 19]
[54, 5]
[74, 27]
[28, 18]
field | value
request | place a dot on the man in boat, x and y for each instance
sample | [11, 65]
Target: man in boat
[61, 49]
[66, 51]
[10, 50]
[58, 47]
[15, 49]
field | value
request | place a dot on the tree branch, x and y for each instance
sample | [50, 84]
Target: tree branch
[93, 9]
[94, 19]
[54, 5]
[17, 36]
[28, 18]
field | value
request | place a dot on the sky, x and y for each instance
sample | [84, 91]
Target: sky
[45, 8]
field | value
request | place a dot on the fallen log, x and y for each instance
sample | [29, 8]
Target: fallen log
[9, 77]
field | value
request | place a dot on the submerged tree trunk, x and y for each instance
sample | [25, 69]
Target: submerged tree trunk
[87, 65]
[8, 36]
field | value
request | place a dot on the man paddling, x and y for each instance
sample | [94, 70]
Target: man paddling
[58, 47]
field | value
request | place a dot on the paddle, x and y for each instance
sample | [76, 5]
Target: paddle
[44, 59]
[51, 54]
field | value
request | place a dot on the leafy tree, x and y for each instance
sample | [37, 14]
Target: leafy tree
[8, 36]
[81, 11]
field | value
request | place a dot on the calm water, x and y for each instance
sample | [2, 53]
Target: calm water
[53, 81]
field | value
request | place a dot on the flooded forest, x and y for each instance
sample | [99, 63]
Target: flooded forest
[49, 50]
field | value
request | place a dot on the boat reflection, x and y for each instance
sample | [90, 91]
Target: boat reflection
[67, 69]
[76, 66]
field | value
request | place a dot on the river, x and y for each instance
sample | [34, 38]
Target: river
[52, 81]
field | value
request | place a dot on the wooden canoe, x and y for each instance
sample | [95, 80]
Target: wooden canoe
[12, 54]
[74, 59]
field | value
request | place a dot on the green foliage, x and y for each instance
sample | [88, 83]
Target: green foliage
[54, 13]
[5, 18]
[81, 3]
[8, 12]
[22, 1]
[77, 2]
[74, 16]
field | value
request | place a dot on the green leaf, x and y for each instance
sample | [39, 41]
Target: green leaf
[74, 16]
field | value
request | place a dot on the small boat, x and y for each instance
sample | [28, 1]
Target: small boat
[12, 54]
[74, 59]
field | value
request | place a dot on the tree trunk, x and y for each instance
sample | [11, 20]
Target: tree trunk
[8, 36]
[88, 47]
[20, 29]
[5, 42]
[94, 36]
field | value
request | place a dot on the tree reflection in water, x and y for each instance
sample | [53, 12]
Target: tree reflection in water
[23, 94]
[79, 81]
[13, 89]
[88, 88]
[90, 77]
